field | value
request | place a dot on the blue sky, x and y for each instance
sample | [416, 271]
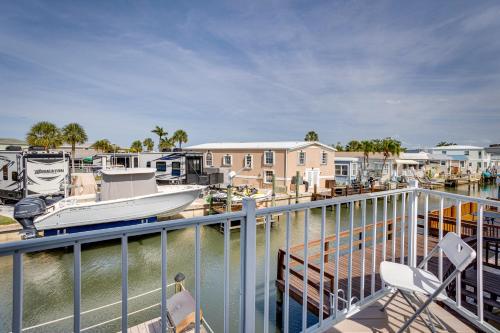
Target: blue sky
[421, 71]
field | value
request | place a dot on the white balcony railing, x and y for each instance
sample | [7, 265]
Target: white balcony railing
[400, 234]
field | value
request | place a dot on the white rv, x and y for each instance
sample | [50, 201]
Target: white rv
[32, 173]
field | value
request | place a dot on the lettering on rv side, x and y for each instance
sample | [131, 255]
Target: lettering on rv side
[39, 171]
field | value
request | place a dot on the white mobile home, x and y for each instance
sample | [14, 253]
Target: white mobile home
[465, 158]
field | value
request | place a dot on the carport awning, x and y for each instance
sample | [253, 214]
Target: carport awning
[410, 162]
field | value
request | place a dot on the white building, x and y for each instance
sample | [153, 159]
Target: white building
[465, 158]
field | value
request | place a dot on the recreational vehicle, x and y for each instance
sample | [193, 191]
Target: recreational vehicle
[32, 173]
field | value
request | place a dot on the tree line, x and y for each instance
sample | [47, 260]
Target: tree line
[47, 135]
[164, 142]
[388, 147]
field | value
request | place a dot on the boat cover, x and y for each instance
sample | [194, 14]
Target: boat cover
[83, 183]
[127, 183]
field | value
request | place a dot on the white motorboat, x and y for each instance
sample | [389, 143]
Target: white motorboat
[127, 196]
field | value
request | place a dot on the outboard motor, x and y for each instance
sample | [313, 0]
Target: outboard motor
[25, 212]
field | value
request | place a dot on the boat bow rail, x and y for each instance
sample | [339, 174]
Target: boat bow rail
[394, 233]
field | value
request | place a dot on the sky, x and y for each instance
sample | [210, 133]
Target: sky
[419, 71]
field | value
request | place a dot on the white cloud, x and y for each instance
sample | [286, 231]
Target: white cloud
[262, 73]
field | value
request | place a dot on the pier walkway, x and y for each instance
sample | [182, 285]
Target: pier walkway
[361, 282]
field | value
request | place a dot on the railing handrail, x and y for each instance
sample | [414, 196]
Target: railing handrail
[38, 244]
[330, 202]
[408, 223]
[460, 197]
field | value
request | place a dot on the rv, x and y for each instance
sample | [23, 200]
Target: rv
[174, 167]
[32, 173]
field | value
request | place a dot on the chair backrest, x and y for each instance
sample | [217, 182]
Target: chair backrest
[457, 251]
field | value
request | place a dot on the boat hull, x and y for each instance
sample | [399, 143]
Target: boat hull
[100, 226]
[114, 213]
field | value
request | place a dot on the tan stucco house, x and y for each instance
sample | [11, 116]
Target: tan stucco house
[256, 162]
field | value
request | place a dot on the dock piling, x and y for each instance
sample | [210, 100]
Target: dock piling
[179, 282]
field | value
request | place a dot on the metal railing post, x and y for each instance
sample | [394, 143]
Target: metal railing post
[249, 265]
[17, 293]
[412, 225]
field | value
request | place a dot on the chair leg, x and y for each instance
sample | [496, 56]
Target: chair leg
[389, 300]
[422, 308]
[430, 325]
[432, 317]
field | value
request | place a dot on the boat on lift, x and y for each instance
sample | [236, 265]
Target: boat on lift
[126, 197]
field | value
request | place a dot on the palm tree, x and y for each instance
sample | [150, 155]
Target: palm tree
[166, 144]
[161, 133]
[339, 147]
[136, 146]
[388, 147]
[353, 145]
[149, 144]
[102, 145]
[180, 136]
[366, 148]
[444, 143]
[376, 146]
[74, 134]
[113, 147]
[44, 134]
[311, 136]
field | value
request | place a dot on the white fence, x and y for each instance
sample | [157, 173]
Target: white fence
[343, 302]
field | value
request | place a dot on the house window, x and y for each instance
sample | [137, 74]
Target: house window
[248, 161]
[443, 163]
[341, 170]
[5, 171]
[227, 160]
[324, 157]
[480, 154]
[148, 164]
[161, 166]
[462, 164]
[302, 157]
[443, 152]
[466, 153]
[354, 169]
[14, 176]
[385, 171]
[268, 176]
[209, 159]
[269, 157]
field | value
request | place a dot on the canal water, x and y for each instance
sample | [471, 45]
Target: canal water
[48, 275]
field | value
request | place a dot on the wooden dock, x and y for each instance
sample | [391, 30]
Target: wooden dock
[343, 191]
[296, 272]
[372, 281]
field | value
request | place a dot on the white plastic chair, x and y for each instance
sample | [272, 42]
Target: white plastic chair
[410, 281]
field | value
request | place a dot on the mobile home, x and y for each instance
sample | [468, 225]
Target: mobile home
[257, 163]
